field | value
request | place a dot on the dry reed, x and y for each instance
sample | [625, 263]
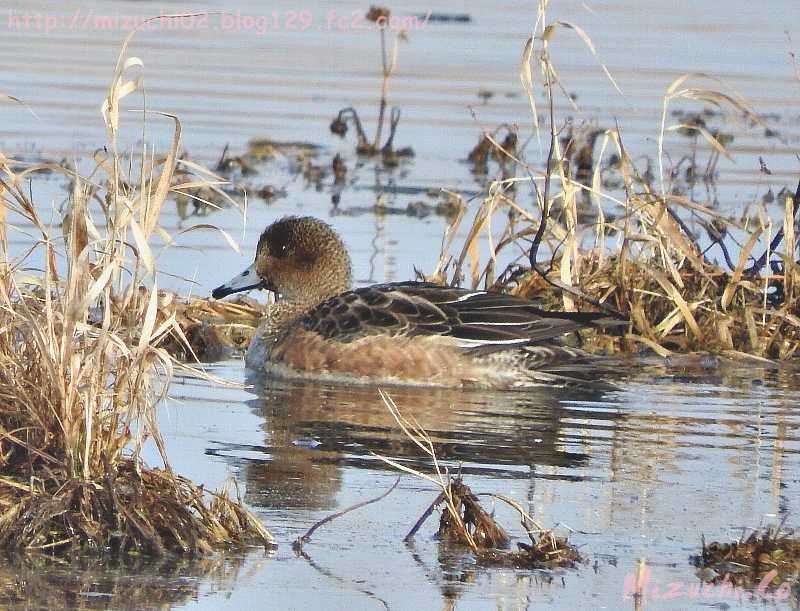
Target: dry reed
[339, 126]
[465, 522]
[629, 250]
[82, 369]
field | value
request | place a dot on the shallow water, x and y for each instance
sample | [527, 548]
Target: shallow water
[637, 474]
[228, 84]
[633, 475]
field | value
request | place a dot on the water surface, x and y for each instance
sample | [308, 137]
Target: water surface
[635, 476]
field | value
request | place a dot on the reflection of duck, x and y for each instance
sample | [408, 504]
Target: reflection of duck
[316, 433]
[405, 332]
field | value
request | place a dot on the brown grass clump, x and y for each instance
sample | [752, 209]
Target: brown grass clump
[471, 520]
[82, 369]
[629, 248]
[546, 552]
[768, 551]
[465, 522]
[478, 529]
[210, 329]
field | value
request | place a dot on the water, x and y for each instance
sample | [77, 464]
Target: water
[634, 476]
[637, 474]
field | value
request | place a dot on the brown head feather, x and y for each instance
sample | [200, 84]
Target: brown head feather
[304, 260]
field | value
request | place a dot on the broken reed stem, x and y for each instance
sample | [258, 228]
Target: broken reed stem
[464, 521]
[361, 134]
[540, 231]
[298, 543]
[424, 517]
[384, 90]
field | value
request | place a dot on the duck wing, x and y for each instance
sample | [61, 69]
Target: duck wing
[479, 320]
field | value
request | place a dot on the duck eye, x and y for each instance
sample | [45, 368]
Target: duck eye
[282, 250]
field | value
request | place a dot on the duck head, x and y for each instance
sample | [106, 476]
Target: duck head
[302, 259]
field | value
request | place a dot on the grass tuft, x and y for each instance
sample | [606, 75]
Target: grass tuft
[770, 552]
[82, 366]
[608, 232]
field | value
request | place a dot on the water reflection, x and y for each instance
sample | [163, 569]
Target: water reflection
[131, 582]
[311, 431]
[652, 432]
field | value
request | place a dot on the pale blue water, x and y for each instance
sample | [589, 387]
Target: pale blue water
[638, 474]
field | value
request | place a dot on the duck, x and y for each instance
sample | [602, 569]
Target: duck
[408, 333]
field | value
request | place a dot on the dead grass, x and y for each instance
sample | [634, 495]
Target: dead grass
[465, 522]
[82, 367]
[630, 249]
[210, 329]
[748, 560]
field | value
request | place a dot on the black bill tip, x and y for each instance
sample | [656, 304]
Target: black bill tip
[225, 290]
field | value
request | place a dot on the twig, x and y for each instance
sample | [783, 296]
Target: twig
[298, 544]
[527, 521]
[360, 133]
[393, 121]
[579, 294]
[727, 255]
[222, 158]
[425, 515]
[537, 239]
[388, 69]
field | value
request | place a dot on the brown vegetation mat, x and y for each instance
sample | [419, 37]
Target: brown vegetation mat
[747, 561]
[473, 526]
[211, 329]
[141, 510]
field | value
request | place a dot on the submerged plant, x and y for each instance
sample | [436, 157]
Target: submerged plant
[339, 126]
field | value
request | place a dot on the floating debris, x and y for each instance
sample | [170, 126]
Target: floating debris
[270, 193]
[465, 522]
[479, 155]
[446, 17]
[768, 552]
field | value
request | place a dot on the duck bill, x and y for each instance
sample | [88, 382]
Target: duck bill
[246, 281]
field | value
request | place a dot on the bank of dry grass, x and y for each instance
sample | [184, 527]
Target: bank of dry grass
[82, 367]
[587, 227]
